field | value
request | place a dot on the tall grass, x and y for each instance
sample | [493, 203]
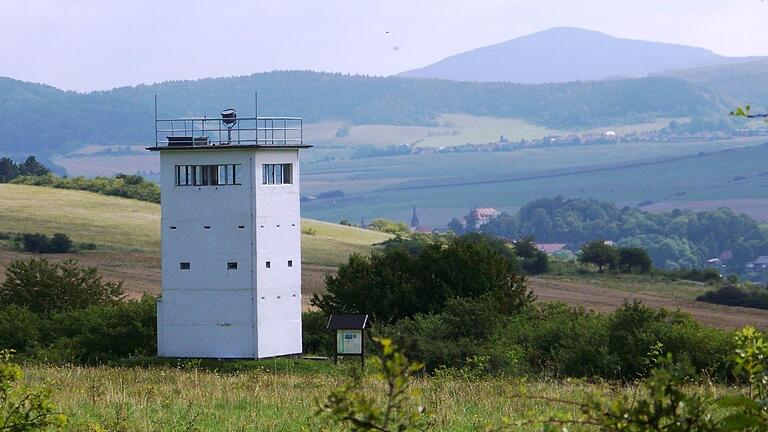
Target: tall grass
[186, 398]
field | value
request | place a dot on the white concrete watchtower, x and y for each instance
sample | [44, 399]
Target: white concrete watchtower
[230, 232]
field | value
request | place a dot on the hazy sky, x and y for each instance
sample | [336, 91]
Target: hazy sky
[99, 44]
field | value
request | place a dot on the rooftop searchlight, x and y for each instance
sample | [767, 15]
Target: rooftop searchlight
[229, 118]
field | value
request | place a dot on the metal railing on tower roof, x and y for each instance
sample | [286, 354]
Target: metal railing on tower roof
[228, 129]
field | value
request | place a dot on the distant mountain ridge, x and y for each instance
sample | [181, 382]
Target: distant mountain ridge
[565, 54]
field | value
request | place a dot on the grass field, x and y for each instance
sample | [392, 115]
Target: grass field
[135, 225]
[178, 399]
[129, 233]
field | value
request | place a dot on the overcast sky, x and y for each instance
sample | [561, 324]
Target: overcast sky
[99, 44]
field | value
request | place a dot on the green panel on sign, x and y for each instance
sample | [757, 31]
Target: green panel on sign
[349, 341]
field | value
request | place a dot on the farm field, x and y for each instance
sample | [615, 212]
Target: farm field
[756, 208]
[450, 130]
[446, 185]
[280, 396]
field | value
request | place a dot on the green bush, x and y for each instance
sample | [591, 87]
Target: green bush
[398, 283]
[20, 329]
[41, 243]
[122, 185]
[316, 339]
[558, 340]
[104, 332]
[46, 288]
[732, 295]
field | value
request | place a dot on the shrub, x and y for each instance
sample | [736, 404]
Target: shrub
[38, 243]
[60, 243]
[122, 185]
[41, 243]
[44, 287]
[316, 339]
[23, 408]
[104, 331]
[388, 226]
[20, 329]
[634, 329]
[396, 283]
[732, 295]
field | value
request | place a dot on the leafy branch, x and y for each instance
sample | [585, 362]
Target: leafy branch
[349, 404]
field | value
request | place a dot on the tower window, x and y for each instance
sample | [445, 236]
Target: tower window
[277, 174]
[207, 175]
[231, 266]
[241, 227]
[207, 227]
[290, 263]
[183, 266]
[269, 264]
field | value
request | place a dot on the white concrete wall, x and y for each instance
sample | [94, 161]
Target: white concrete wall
[208, 310]
[278, 240]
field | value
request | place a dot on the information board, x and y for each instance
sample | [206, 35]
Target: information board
[349, 341]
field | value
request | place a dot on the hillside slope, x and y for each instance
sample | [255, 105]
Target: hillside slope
[565, 54]
[745, 83]
[66, 121]
[128, 232]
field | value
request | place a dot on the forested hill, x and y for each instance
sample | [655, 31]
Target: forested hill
[43, 120]
[745, 83]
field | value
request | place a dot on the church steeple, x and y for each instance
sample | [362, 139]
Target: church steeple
[415, 219]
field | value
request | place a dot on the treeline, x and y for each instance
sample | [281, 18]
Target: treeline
[464, 304]
[30, 167]
[91, 117]
[676, 239]
[122, 185]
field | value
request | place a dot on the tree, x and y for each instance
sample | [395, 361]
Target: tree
[599, 253]
[533, 260]
[456, 226]
[634, 258]
[403, 281]
[44, 287]
[8, 170]
[31, 167]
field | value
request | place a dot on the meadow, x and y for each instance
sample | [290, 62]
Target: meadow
[279, 395]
